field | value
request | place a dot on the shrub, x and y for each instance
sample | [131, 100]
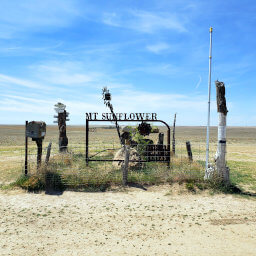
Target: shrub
[191, 187]
[30, 183]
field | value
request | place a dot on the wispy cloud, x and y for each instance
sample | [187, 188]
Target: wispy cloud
[17, 49]
[64, 76]
[65, 73]
[30, 104]
[29, 99]
[143, 21]
[199, 82]
[151, 22]
[132, 100]
[165, 69]
[124, 101]
[17, 105]
[112, 19]
[9, 80]
[158, 48]
[75, 73]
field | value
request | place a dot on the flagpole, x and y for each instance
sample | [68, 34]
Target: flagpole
[209, 106]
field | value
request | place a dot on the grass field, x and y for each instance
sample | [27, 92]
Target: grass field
[241, 149]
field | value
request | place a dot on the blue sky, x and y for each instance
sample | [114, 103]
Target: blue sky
[151, 54]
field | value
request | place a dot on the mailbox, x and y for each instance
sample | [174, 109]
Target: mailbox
[36, 130]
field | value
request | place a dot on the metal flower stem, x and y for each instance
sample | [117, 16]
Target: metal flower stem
[110, 106]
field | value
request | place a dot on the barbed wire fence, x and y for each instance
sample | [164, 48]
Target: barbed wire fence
[72, 169]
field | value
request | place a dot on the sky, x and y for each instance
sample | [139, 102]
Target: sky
[153, 56]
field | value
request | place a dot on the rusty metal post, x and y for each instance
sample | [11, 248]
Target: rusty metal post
[173, 135]
[87, 142]
[169, 146]
[26, 149]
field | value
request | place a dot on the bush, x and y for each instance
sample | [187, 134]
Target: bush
[30, 183]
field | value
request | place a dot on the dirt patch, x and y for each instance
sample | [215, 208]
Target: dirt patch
[155, 221]
[231, 221]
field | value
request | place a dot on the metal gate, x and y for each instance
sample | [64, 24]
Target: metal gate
[154, 152]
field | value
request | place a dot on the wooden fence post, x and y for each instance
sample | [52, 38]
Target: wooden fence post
[220, 158]
[126, 164]
[188, 146]
[63, 139]
[48, 152]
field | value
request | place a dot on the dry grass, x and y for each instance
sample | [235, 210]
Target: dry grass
[241, 153]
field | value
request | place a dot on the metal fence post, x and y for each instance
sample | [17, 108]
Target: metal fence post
[26, 149]
[87, 142]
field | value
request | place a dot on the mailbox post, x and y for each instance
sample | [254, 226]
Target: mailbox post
[36, 131]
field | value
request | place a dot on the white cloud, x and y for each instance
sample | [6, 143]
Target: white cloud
[28, 106]
[143, 21]
[9, 80]
[28, 99]
[158, 69]
[150, 22]
[111, 19]
[125, 101]
[75, 73]
[146, 101]
[157, 48]
[191, 109]
[66, 73]
[15, 49]
[44, 109]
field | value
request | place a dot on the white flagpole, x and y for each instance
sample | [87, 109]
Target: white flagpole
[209, 105]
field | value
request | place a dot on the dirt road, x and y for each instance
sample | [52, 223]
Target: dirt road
[159, 221]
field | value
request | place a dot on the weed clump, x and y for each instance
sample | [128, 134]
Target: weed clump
[191, 187]
[30, 183]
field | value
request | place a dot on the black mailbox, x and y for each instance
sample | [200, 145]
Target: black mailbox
[36, 130]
